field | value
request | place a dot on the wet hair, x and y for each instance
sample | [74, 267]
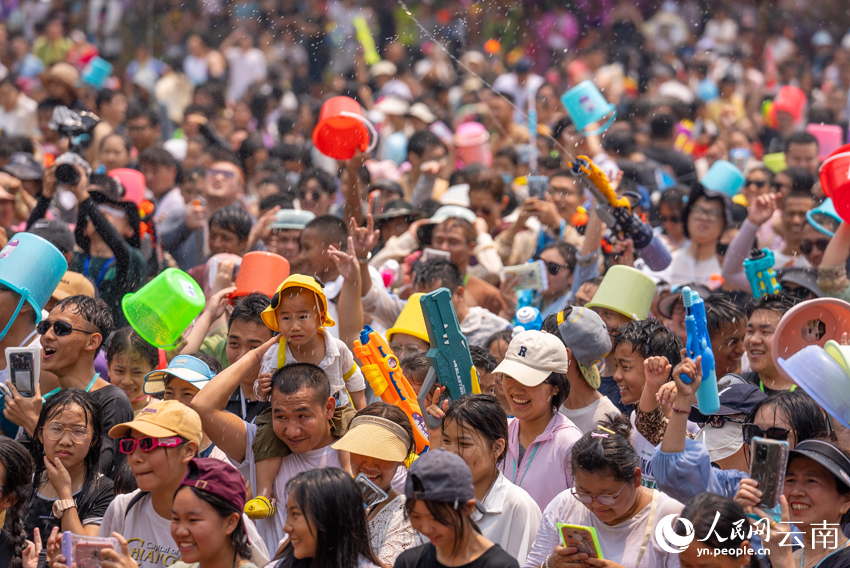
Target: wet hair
[93, 411]
[435, 269]
[93, 310]
[394, 414]
[482, 358]
[331, 229]
[714, 515]
[446, 514]
[17, 484]
[720, 310]
[291, 378]
[801, 138]
[333, 507]
[239, 536]
[234, 219]
[249, 308]
[415, 368]
[483, 414]
[283, 198]
[452, 222]
[779, 303]
[649, 338]
[806, 418]
[487, 180]
[326, 182]
[125, 481]
[126, 340]
[607, 454]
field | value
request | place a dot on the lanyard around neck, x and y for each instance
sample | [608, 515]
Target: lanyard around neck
[88, 388]
[103, 270]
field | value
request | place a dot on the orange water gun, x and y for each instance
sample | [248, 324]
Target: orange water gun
[383, 371]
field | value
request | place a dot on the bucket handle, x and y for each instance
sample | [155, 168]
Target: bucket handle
[605, 126]
[373, 133]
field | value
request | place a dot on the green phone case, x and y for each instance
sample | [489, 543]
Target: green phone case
[586, 530]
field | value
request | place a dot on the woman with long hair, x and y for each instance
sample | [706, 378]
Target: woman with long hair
[325, 523]
[475, 427]
[16, 477]
[70, 493]
[379, 440]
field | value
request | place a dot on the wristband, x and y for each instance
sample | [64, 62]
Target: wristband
[681, 411]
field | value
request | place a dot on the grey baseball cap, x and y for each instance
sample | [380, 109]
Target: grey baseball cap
[439, 475]
[586, 336]
[291, 219]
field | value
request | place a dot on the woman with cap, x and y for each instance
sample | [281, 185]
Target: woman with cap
[475, 427]
[540, 439]
[440, 504]
[379, 439]
[325, 523]
[706, 216]
[609, 497]
[816, 495]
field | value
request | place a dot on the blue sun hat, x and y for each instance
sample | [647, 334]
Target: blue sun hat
[31, 267]
[825, 209]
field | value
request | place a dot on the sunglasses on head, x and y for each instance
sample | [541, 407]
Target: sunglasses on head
[146, 444]
[751, 431]
[717, 421]
[807, 246]
[60, 328]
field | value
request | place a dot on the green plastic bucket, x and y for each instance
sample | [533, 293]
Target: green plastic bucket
[164, 307]
[775, 162]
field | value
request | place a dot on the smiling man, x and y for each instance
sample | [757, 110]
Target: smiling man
[302, 407]
[764, 315]
[71, 337]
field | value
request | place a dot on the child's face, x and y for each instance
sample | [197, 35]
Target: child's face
[222, 240]
[298, 316]
[728, 347]
[487, 382]
[628, 372]
[128, 374]
[758, 338]
[245, 336]
[180, 390]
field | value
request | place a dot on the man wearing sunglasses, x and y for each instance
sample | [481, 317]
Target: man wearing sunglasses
[71, 337]
[224, 186]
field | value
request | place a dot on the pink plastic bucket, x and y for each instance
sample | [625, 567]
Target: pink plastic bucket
[471, 140]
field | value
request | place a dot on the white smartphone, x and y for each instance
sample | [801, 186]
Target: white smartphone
[23, 365]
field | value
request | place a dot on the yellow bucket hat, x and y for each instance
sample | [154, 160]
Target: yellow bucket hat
[410, 320]
[310, 283]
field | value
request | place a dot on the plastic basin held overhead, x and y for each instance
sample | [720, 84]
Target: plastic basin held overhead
[813, 322]
[814, 371]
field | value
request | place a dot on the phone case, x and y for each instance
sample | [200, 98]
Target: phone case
[85, 551]
[29, 389]
[372, 494]
[769, 461]
[530, 276]
[581, 537]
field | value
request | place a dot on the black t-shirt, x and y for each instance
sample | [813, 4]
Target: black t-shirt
[91, 508]
[116, 410]
[425, 556]
[7, 549]
[253, 408]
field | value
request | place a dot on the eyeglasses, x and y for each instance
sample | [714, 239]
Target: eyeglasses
[751, 431]
[56, 431]
[711, 214]
[807, 246]
[146, 444]
[227, 174]
[717, 421]
[759, 183]
[553, 268]
[60, 328]
[608, 500]
[314, 195]
[670, 219]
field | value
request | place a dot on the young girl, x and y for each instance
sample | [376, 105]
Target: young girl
[440, 503]
[16, 475]
[379, 440]
[299, 311]
[476, 428]
[130, 358]
[609, 497]
[70, 492]
[325, 523]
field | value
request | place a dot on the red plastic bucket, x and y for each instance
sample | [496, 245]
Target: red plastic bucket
[790, 99]
[342, 129]
[260, 272]
[835, 180]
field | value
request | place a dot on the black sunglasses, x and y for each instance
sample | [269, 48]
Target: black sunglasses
[554, 268]
[314, 195]
[807, 246]
[751, 431]
[756, 182]
[60, 328]
[670, 219]
[717, 421]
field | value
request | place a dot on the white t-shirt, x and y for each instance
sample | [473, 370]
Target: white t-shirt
[588, 417]
[644, 451]
[684, 269]
[620, 543]
[149, 535]
[271, 529]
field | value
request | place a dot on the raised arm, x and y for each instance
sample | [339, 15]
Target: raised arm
[226, 430]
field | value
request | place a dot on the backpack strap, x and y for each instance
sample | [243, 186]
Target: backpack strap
[136, 498]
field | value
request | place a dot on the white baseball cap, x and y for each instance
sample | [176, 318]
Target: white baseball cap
[532, 356]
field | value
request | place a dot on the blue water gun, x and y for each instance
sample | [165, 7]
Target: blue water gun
[449, 360]
[527, 318]
[760, 273]
[698, 344]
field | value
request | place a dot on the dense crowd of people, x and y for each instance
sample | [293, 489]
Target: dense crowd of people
[623, 206]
